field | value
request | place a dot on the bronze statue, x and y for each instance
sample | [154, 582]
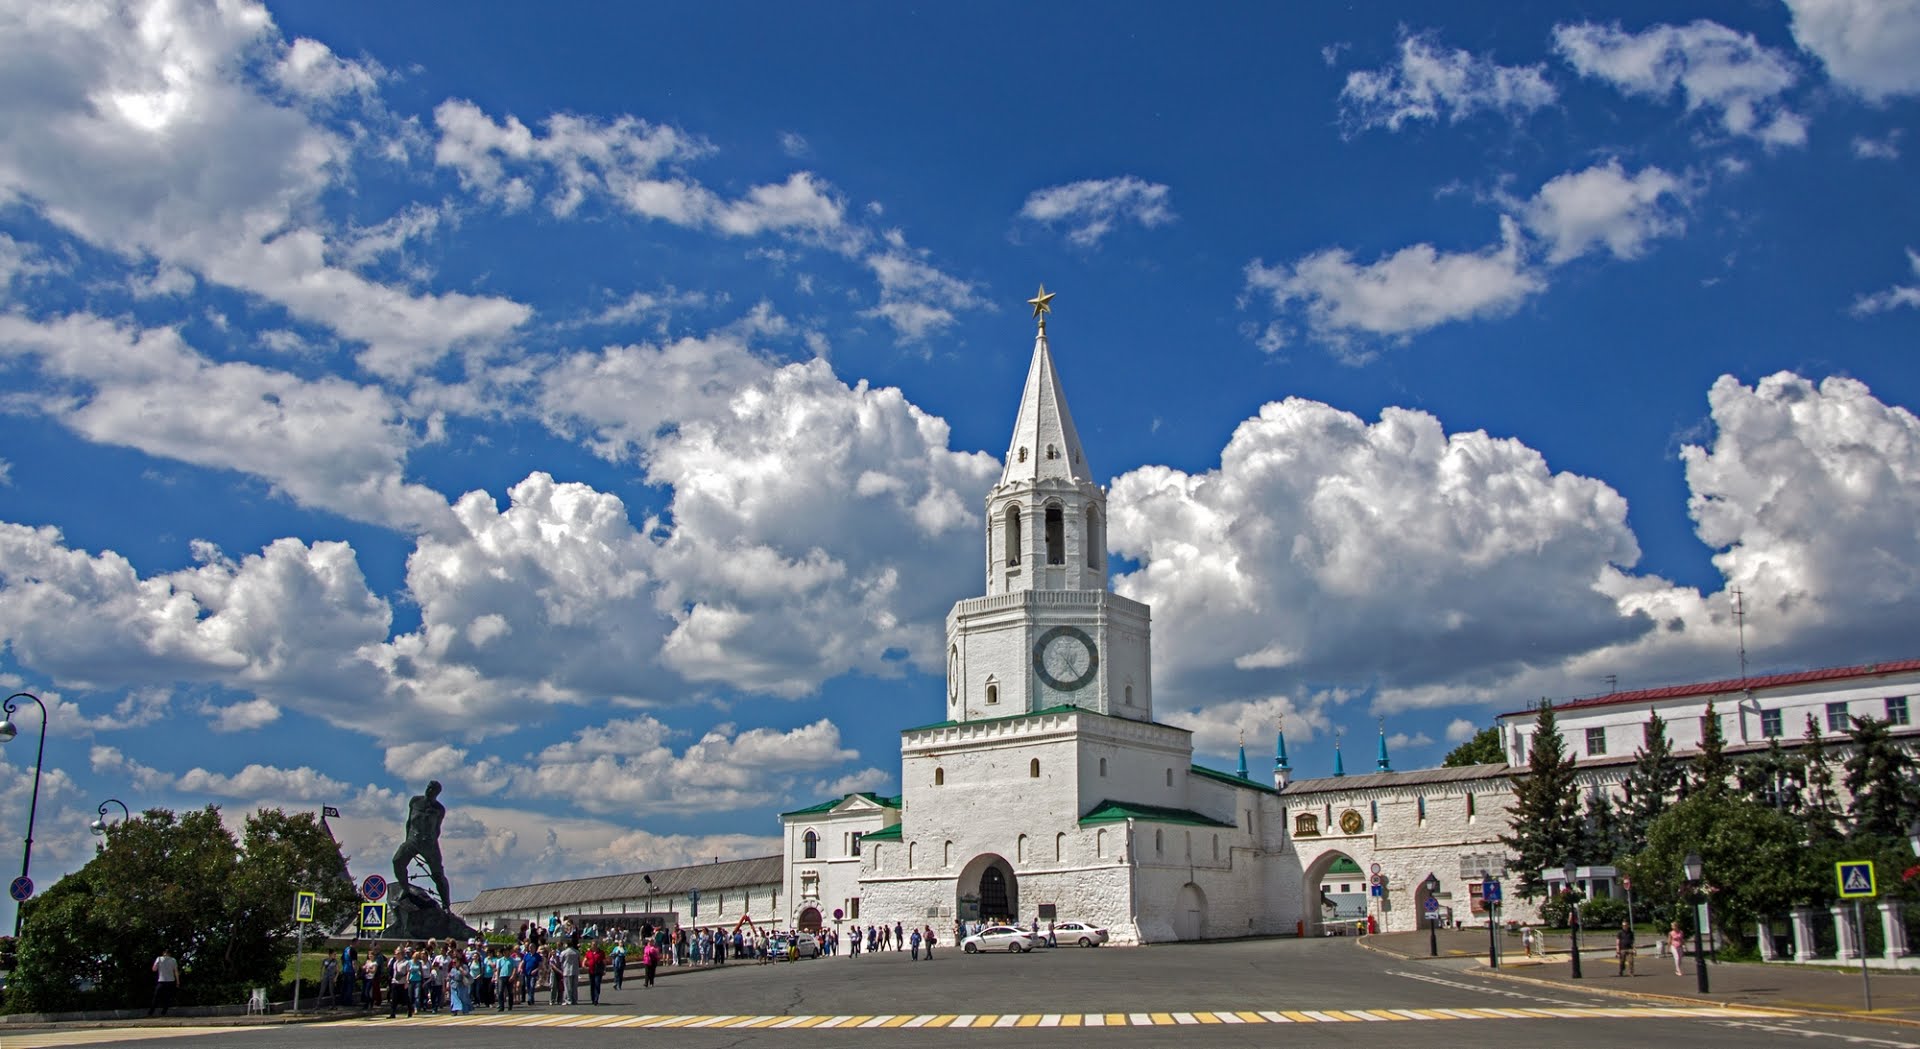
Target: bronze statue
[424, 816]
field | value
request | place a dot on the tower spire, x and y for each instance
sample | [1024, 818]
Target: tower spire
[1242, 770]
[1282, 772]
[1339, 766]
[1045, 446]
[1382, 762]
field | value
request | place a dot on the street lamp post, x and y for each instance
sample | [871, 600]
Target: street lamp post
[7, 731]
[1573, 917]
[99, 826]
[1696, 872]
[1433, 916]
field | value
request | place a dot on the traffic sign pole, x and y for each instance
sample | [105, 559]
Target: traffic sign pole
[1860, 944]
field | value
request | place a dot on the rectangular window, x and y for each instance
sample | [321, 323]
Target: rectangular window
[1896, 710]
[1423, 809]
[1469, 808]
[1770, 724]
[1837, 720]
[1646, 733]
[855, 850]
[1596, 741]
[1475, 905]
[853, 907]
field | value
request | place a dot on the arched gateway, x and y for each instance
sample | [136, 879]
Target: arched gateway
[987, 890]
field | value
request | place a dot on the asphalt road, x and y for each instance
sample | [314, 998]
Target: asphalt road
[1256, 993]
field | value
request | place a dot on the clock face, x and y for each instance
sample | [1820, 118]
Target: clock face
[1065, 658]
[953, 674]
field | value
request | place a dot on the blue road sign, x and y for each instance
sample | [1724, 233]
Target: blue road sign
[21, 889]
[373, 916]
[1856, 879]
[373, 887]
[1490, 892]
[1432, 905]
[1376, 890]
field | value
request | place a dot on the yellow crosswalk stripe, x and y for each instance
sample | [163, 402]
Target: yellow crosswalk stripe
[828, 1021]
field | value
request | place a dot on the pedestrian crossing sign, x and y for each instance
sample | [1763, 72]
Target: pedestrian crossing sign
[1856, 879]
[303, 907]
[373, 917]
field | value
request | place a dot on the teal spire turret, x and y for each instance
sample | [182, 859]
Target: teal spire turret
[1339, 766]
[1282, 772]
[1242, 770]
[1384, 764]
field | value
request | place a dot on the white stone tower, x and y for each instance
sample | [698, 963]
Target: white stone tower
[1047, 633]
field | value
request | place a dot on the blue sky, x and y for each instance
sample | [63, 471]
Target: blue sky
[594, 408]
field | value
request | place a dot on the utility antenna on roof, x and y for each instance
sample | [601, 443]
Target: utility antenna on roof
[1613, 683]
[1740, 624]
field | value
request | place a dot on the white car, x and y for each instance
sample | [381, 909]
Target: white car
[1001, 938]
[1079, 933]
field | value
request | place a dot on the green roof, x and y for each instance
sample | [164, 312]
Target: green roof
[1111, 811]
[828, 806]
[1344, 865]
[1064, 708]
[1226, 777]
[888, 834]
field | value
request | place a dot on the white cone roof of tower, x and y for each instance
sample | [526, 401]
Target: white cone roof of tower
[1044, 422]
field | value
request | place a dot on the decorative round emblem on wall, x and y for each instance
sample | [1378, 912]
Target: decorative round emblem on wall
[1351, 823]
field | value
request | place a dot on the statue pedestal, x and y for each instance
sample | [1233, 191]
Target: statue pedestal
[413, 914]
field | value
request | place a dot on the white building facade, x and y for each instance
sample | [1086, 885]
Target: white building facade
[1050, 792]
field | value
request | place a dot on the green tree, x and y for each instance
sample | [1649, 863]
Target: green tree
[1712, 769]
[1603, 836]
[1546, 810]
[1774, 778]
[1653, 783]
[1820, 808]
[1482, 749]
[1755, 861]
[1881, 778]
[183, 883]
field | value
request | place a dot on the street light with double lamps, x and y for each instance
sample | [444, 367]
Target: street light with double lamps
[1433, 915]
[8, 730]
[1696, 872]
[1573, 916]
[99, 826]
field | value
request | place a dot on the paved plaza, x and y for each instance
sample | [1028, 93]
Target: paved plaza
[1313, 992]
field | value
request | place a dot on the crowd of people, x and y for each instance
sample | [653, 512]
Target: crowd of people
[555, 964]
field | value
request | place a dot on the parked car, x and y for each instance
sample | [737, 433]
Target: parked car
[1079, 933]
[796, 944]
[1002, 938]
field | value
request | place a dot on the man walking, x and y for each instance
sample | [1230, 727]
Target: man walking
[166, 982]
[570, 971]
[1623, 946]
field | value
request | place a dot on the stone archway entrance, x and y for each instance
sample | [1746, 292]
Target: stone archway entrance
[1335, 894]
[810, 919]
[987, 890]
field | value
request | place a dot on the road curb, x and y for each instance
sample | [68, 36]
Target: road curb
[1823, 1014]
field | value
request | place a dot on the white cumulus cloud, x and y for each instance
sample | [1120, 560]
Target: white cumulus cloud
[1604, 206]
[1714, 68]
[1090, 209]
[1430, 83]
[1868, 46]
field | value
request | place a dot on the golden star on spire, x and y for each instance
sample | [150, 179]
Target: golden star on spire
[1041, 304]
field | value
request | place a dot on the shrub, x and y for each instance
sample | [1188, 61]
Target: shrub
[1603, 913]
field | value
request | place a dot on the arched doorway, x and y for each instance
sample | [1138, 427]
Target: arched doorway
[810, 919]
[1190, 913]
[987, 890]
[1335, 894]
